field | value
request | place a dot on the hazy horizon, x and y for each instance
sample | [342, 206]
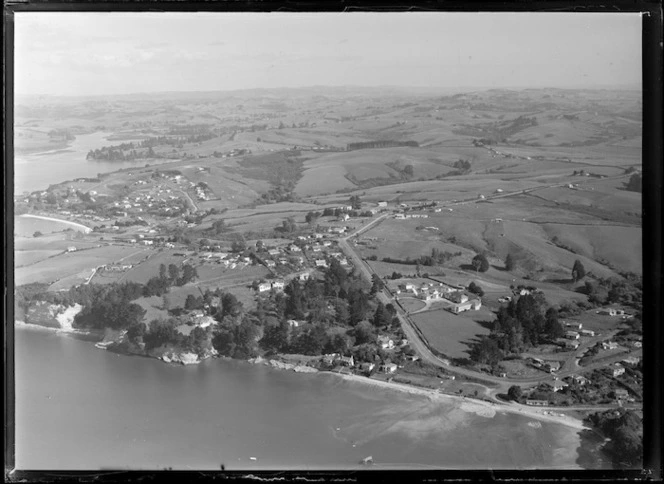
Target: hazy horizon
[96, 54]
[425, 90]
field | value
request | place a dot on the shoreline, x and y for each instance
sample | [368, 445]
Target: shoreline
[479, 407]
[53, 219]
[468, 404]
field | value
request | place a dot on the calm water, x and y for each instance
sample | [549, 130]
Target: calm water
[38, 171]
[78, 407]
[27, 226]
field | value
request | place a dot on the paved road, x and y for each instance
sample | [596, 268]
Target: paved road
[189, 199]
[417, 343]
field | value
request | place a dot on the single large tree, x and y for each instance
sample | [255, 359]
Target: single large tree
[514, 392]
[578, 271]
[480, 263]
[510, 262]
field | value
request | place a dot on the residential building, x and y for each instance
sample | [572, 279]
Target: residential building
[587, 332]
[388, 368]
[571, 335]
[578, 379]
[278, 285]
[621, 393]
[474, 304]
[573, 344]
[537, 403]
[367, 367]
[382, 204]
[348, 361]
[385, 342]
[293, 323]
[610, 345]
[330, 358]
[555, 385]
[552, 366]
[71, 249]
[304, 276]
[618, 370]
[457, 297]
[264, 286]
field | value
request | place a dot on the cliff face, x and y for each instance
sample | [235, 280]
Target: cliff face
[175, 355]
[50, 315]
[280, 365]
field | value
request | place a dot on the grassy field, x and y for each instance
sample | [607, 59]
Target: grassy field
[149, 267]
[620, 246]
[411, 304]
[29, 257]
[599, 323]
[69, 264]
[448, 333]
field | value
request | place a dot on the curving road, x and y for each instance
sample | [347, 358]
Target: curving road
[569, 365]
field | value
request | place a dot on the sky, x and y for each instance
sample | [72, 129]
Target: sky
[82, 53]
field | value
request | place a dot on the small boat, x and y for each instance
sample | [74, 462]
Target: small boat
[367, 460]
[253, 458]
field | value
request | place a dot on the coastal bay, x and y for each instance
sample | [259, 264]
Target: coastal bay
[226, 407]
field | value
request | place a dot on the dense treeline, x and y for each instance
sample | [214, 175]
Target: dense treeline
[380, 144]
[521, 324]
[627, 291]
[144, 149]
[109, 305]
[437, 257]
[625, 429]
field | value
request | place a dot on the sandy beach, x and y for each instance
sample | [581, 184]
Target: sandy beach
[479, 407]
[75, 224]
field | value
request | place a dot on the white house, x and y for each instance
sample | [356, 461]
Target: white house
[388, 368]
[385, 342]
[264, 286]
[556, 385]
[346, 361]
[71, 249]
[278, 285]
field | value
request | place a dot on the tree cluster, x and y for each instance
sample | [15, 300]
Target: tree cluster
[519, 325]
[480, 263]
[635, 183]
[626, 433]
